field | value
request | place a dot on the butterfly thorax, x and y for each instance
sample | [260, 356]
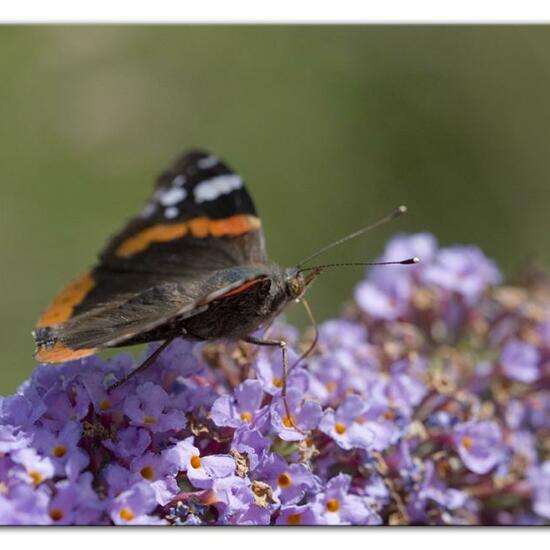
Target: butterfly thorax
[242, 310]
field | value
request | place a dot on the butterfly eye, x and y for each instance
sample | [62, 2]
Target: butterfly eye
[295, 287]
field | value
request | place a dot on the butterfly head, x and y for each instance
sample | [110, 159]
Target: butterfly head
[297, 281]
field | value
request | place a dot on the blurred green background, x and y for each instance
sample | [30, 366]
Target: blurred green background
[331, 127]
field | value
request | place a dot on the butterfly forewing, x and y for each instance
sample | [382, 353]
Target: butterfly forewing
[199, 218]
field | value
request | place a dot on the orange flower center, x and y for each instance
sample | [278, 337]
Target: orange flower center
[56, 514]
[294, 519]
[333, 505]
[389, 414]
[331, 386]
[467, 442]
[149, 420]
[288, 422]
[36, 477]
[246, 416]
[277, 382]
[126, 514]
[147, 472]
[284, 480]
[105, 404]
[340, 428]
[196, 461]
[60, 451]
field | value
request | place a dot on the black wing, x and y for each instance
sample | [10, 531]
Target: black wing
[200, 220]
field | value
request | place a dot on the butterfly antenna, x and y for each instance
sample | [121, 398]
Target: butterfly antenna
[319, 268]
[395, 214]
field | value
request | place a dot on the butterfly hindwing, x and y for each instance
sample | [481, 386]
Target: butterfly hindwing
[155, 313]
[108, 323]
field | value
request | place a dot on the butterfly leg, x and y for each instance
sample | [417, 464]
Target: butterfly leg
[284, 350]
[315, 339]
[147, 363]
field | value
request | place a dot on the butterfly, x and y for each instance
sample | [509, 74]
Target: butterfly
[191, 264]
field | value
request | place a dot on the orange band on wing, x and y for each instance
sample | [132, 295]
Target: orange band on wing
[64, 303]
[59, 353]
[155, 234]
[197, 227]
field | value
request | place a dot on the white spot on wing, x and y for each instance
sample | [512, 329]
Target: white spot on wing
[148, 210]
[211, 189]
[172, 196]
[178, 181]
[171, 212]
[207, 162]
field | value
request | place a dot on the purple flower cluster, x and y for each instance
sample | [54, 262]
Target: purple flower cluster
[426, 402]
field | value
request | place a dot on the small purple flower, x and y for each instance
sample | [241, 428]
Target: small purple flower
[337, 507]
[405, 388]
[242, 408]
[301, 417]
[134, 506]
[160, 470]
[61, 508]
[401, 247]
[233, 498]
[194, 393]
[269, 369]
[68, 458]
[116, 478]
[202, 471]
[65, 404]
[130, 442]
[36, 468]
[12, 439]
[76, 503]
[342, 334]
[150, 407]
[346, 426]
[253, 515]
[520, 361]
[387, 293]
[179, 359]
[290, 482]
[97, 383]
[24, 505]
[298, 515]
[252, 443]
[462, 269]
[21, 411]
[479, 445]
[358, 425]
[388, 303]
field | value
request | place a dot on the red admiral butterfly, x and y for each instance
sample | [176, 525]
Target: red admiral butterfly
[192, 264]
